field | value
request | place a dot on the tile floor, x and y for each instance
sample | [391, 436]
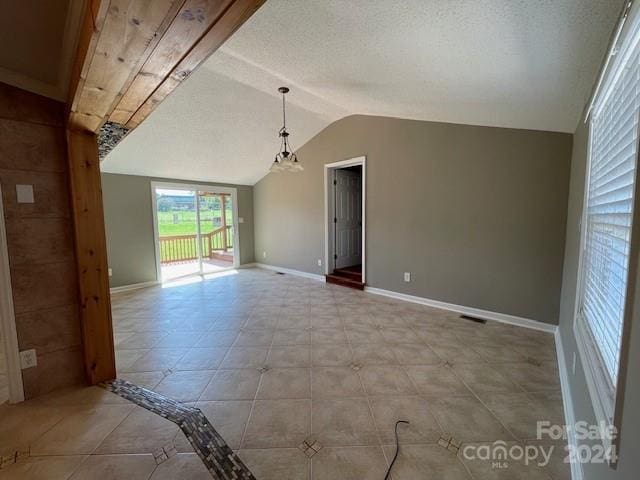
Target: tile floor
[276, 360]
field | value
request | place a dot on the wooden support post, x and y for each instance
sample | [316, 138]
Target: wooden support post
[91, 256]
[224, 221]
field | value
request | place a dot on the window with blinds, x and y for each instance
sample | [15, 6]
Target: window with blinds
[607, 222]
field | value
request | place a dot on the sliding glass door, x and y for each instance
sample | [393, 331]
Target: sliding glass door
[194, 229]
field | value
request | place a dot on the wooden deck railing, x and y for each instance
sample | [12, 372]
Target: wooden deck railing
[183, 248]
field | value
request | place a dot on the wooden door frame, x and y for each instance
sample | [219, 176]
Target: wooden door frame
[8, 318]
[197, 188]
[329, 168]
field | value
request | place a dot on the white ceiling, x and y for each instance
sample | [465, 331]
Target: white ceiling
[507, 63]
[39, 40]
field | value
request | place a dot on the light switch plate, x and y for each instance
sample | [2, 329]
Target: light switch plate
[240, 219]
[407, 276]
[319, 262]
[24, 194]
[111, 272]
[28, 359]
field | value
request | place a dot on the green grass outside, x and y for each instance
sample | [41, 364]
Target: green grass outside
[186, 222]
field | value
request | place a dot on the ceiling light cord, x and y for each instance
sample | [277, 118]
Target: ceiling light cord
[387, 476]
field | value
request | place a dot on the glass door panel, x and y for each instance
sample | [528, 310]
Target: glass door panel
[216, 226]
[177, 220]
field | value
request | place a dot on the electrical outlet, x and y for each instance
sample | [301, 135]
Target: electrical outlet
[264, 254]
[28, 359]
[573, 367]
[111, 272]
[319, 262]
[407, 276]
[240, 219]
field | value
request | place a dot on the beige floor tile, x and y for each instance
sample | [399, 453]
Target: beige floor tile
[42, 468]
[125, 359]
[292, 336]
[289, 356]
[331, 355]
[364, 335]
[398, 335]
[521, 412]
[421, 462]
[297, 322]
[141, 340]
[278, 423]
[179, 340]
[330, 336]
[455, 352]
[483, 378]
[202, 359]
[156, 360]
[148, 380]
[436, 380]
[533, 378]
[116, 467]
[276, 463]
[217, 338]
[186, 466]
[236, 384]
[344, 421]
[81, 431]
[326, 321]
[80, 396]
[467, 419]
[374, 354]
[285, 383]
[21, 424]
[348, 463]
[386, 380]
[245, 357]
[141, 432]
[335, 382]
[415, 354]
[422, 427]
[185, 386]
[254, 338]
[229, 418]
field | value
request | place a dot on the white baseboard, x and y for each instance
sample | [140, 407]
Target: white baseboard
[473, 312]
[312, 276]
[569, 415]
[134, 286]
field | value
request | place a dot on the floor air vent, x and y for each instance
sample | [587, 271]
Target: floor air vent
[473, 319]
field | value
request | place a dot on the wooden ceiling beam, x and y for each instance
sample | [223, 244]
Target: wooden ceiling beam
[125, 33]
[135, 52]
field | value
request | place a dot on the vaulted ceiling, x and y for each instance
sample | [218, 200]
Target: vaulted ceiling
[38, 44]
[505, 63]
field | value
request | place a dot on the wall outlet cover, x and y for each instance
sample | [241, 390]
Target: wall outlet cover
[240, 219]
[111, 272]
[264, 254]
[24, 194]
[28, 359]
[319, 262]
[407, 276]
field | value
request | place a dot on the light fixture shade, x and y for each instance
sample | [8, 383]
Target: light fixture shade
[296, 166]
[275, 167]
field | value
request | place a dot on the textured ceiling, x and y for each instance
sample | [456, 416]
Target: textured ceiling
[507, 63]
[38, 42]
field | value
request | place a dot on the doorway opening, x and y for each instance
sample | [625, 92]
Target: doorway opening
[11, 386]
[196, 230]
[345, 207]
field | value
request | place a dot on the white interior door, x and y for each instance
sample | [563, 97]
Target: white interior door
[348, 218]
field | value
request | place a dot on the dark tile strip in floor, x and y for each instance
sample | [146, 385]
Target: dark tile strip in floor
[219, 459]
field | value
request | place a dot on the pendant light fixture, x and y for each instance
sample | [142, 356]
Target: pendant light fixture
[285, 159]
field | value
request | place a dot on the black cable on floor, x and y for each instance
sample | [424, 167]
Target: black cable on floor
[386, 477]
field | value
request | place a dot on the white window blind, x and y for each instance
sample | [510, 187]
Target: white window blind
[608, 215]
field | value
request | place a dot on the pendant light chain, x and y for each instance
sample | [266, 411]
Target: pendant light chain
[285, 159]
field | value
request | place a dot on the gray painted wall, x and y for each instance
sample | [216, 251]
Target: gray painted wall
[629, 464]
[476, 214]
[129, 224]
